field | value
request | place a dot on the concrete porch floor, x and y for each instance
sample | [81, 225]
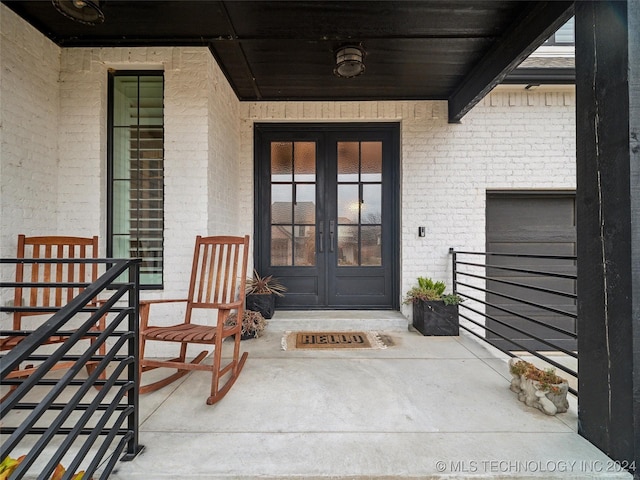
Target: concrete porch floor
[428, 407]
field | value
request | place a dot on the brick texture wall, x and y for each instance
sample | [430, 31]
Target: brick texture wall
[29, 116]
[513, 140]
[54, 135]
[200, 146]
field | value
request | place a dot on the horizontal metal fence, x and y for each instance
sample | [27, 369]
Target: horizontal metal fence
[522, 304]
[82, 421]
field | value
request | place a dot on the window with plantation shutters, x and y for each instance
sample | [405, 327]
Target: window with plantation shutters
[136, 171]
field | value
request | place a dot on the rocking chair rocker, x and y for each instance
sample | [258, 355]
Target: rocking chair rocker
[218, 279]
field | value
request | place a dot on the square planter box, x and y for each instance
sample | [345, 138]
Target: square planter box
[436, 318]
[265, 303]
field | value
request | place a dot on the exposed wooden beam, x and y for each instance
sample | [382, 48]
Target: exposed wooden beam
[240, 56]
[608, 209]
[525, 35]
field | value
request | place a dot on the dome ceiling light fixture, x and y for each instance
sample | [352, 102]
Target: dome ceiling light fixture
[349, 61]
[82, 11]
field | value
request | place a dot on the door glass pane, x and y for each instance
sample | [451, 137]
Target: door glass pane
[281, 245]
[293, 203]
[348, 245]
[371, 203]
[348, 204]
[371, 246]
[371, 161]
[348, 161]
[281, 198]
[359, 166]
[281, 161]
[305, 251]
[305, 161]
[305, 207]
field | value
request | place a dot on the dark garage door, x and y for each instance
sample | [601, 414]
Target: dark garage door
[531, 223]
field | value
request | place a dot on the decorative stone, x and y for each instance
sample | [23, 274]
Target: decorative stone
[550, 399]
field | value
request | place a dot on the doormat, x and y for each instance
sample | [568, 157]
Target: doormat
[334, 340]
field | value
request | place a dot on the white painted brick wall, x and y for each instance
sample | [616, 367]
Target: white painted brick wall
[54, 131]
[200, 146]
[514, 139]
[224, 153]
[29, 114]
[511, 140]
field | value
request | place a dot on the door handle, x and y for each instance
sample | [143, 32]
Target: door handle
[332, 228]
[321, 236]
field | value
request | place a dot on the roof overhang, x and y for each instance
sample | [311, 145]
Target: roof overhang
[454, 50]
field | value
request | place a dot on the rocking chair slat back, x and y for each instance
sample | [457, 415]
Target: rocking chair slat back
[216, 274]
[43, 294]
[52, 247]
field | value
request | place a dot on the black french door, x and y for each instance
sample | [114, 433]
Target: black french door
[326, 213]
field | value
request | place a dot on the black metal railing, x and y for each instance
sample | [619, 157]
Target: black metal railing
[520, 303]
[84, 421]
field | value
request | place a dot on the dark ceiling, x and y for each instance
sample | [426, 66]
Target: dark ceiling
[453, 50]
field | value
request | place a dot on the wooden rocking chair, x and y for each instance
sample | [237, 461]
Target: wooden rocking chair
[218, 279]
[47, 296]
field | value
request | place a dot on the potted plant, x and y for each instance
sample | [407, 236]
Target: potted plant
[262, 292]
[542, 389]
[8, 465]
[434, 312]
[253, 324]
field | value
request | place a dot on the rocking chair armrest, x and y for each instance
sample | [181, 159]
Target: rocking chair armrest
[145, 306]
[230, 306]
[223, 313]
[169, 300]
